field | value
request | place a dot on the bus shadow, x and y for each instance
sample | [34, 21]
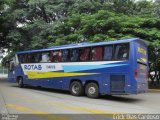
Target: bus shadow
[121, 98]
[117, 98]
[50, 90]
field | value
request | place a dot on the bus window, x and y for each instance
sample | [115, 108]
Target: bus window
[74, 55]
[108, 52]
[25, 60]
[65, 55]
[56, 56]
[38, 57]
[45, 57]
[122, 52]
[31, 58]
[84, 56]
[97, 53]
[51, 56]
[21, 58]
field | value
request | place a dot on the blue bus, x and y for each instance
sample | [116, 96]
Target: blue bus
[117, 67]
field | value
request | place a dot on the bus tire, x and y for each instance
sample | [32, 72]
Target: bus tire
[92, 90]
[20, 82]
[76, 88]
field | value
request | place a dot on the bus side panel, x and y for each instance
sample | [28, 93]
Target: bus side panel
[53, 83]
[19, 71]
[103, 77]
[16, 72]
[33, 82]
[11, 76]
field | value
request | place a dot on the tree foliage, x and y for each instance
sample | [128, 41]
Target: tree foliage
[34, 24]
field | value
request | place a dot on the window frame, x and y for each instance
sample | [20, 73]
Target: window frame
[128, 58]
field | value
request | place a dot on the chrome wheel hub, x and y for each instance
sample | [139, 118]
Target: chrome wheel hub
[75, 88]
[91, 90]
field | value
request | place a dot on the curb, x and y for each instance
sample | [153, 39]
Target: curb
[153, 90]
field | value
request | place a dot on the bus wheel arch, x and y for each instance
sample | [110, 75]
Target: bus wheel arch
[76, 88]
[20, 81]
[92, 89]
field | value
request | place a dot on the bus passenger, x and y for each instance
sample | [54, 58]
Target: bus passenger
[45, 57]
[97, 53]
[52, 56]
[58, 56]
[85, 55]
[38, 57]
[74, 56]
[65, 55]
[123, 54]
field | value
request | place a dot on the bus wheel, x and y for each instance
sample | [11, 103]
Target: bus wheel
[92, 90]
[76, 88]
[20, 82]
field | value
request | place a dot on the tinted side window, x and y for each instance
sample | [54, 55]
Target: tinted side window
[21, 58]
[56, 56]
[97, 53]
[108, 52]
[84, 54]
[34, 57]
[74, 55]
[31, 58]
[45, 57]
[38, 57]
[25, 59]
[65, 56]
[121, 52]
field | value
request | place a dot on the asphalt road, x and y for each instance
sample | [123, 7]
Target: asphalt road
[55, 104]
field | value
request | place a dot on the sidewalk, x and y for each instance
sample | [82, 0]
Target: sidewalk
[154, 90]
[3, 76]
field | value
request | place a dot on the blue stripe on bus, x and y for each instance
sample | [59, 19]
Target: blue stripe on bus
[67, 68]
